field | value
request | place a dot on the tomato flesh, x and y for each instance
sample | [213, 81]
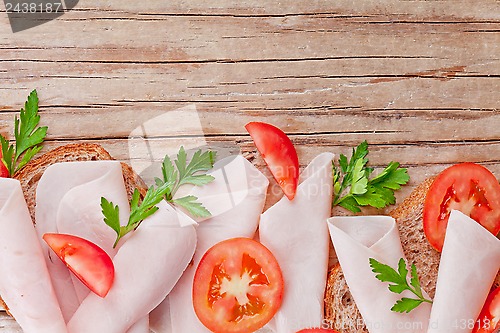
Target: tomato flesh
[468, 187]
[91, 264]
[279, 154]
[238, 286]
[489, 318]
[4, 173]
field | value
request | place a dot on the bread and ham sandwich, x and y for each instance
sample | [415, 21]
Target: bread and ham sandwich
[341, 310]
[63, 191]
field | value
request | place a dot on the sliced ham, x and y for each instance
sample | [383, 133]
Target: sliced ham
[147, 266]
[235, 198]
[470, 257]
[68, 201]
[357, 239]
[25, 284]
[296, 232]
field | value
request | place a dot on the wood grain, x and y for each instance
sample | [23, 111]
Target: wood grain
[418, 79]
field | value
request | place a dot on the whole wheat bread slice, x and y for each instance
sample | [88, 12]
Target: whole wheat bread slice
[340, 308]
[30, 174]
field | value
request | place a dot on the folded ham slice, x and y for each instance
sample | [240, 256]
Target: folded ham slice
[469, 263]
[25, 284]
[235, 198]
[356, 240]
[68, 201]
[296, 232]
[147, 266]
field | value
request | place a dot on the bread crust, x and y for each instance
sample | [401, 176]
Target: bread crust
[408, 215]
[31, 173]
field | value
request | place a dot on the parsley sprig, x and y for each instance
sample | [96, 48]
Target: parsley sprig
[174, 176]
[28, 137]
[138, 211]
[180, 172]
[354, 188]
[399, 283]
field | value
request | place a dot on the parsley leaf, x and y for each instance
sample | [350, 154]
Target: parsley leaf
[189, 203]
[138, 211]
[28, 137]
[180, 172]
[399, 282]
[353, 187]
[174, 174]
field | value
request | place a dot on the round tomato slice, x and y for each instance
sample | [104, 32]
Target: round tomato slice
[238, 286]
[317, 330]
[468, 187]
[4, 173]
[489, 318]
[278, 153]
[91, 264]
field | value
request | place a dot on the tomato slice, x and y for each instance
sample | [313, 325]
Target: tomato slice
[4, 173]
[91, 264]
[317, 330]
[238, 286]
[278, 153]
[468, 187]
[489, 318]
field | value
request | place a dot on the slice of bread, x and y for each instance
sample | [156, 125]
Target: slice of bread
[30, 174]
[340, 309]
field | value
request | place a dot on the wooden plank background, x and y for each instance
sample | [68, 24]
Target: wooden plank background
[418, 79]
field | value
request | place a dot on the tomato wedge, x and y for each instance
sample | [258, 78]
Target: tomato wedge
[489, 318]
[91, 264]
[238, 286]
[468, 187]
[317, 330]
[278, 153]
[4, 173]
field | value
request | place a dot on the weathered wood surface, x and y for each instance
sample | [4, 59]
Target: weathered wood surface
[418, 79]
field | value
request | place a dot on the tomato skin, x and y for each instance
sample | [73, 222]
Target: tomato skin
[238, 286]
[489, 318]
[4, 173]
[279, 154]
[317, 330]
[468, 187]
[91, 264]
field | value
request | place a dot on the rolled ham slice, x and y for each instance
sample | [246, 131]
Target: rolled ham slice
[356, 240]
[25, 284]
[147, 266]
[296, 232]
[235, 198]
[68, 201]
[79, 212]
[469, 263]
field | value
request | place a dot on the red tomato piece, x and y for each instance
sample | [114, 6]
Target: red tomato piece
[468, 187]
[4, 173]
[317, 330]
[489, 318]
[278, 153]
[91, 264]
[238, 286]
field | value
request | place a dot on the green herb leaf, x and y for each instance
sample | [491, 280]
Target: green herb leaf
[353, 187]
[28, 137]
[139, 211]
[193, 207]
[405, 305]
[174, 174]
[180, 172]
[111, 215]
[349, 203]
[399, 283]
